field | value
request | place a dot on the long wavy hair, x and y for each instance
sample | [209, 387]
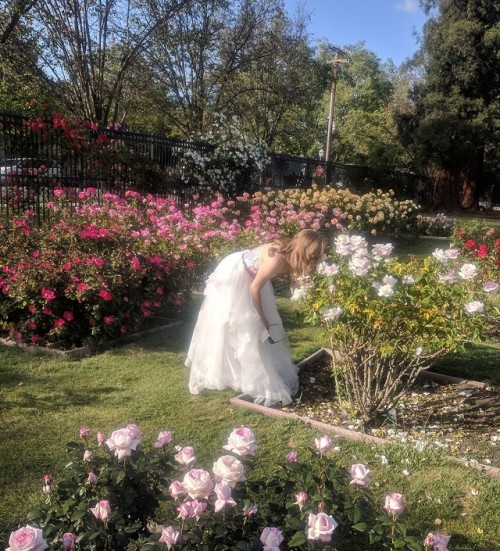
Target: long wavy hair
[303, 252]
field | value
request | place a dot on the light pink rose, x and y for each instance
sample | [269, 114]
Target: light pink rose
[199, 507]
[438, 542]
[223, 492]
[135, 431]
[102, 510]
[84, 432]
[101, 438]
[47, 489]
[394, 503]
[185, 509]
[241, 442]
[87, 456]
[68, 541]
[186, 456]
[291, 457]
[271, 538]
[198, 484]
[300, 499]
[164, 438]
[169, 536]
[251, 510]
[320, 527]
[324, 444]
[27, 539]
[122, 442]
[360, 475]
[230, 469]
[176, 489]
[91, 478]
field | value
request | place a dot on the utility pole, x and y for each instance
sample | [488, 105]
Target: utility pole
[336, 61]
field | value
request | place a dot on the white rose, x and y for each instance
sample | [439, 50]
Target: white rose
[198, 484]
[230, 469]
[468, 271]
[474, 307]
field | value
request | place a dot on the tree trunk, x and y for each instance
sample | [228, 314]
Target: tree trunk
[446, 191]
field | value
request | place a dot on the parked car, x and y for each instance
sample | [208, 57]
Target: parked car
[31, 167]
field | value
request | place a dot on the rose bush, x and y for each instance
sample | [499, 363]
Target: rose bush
[390, 320]
[112, 500]
[479, 243]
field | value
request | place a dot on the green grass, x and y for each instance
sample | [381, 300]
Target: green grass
[44, 401]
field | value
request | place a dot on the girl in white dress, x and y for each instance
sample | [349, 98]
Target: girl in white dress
[238, 340]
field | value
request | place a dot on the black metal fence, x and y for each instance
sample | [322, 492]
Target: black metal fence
[38, 156]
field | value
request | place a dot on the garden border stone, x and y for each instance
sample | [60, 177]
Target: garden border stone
[86, 351]
[245, 401]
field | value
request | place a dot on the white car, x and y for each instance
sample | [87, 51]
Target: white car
[30, 167]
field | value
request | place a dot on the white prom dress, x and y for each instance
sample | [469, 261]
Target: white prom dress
[230, 348]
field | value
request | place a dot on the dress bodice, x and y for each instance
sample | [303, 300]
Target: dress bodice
[252, 260]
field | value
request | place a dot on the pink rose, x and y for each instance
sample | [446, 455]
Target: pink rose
[271, 538]
[320, 527]
[135, 431]
[242, 442]
[185, 510]
[291, 457]
[301, 498]
[176, 489]
[91, 478]
[251, 510]
[360, 475]
[164, 438]
[84, 432]
[68, 541]
[223, 492]
[198, 484]
[438, 542]
[169, 536]
[102, 510]
[323, 444]
[87, 456]
[394, 503]
[122, 442]
[199, 507]
[230, 469]
[186, 456]
[101, 438]
[27, 539]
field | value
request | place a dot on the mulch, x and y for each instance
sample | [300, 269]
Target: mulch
[462, 420]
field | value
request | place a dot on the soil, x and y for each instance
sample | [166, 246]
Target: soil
[461, 419]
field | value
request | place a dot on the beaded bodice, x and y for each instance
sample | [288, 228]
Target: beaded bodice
[251, 260]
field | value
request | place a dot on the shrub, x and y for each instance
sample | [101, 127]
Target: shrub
[390, 320]
[480, 243]
[115, 496]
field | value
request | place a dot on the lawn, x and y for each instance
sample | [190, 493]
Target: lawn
[44, 401]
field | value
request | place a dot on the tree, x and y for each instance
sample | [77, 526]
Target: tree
[87, 48]
[369, 93]
[454, 129]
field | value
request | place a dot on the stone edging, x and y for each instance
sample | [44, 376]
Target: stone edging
[86, 351]
[245, 401]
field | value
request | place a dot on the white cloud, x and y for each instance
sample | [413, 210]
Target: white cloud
[408, 6]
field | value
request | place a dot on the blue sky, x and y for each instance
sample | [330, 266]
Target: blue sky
[386, 26]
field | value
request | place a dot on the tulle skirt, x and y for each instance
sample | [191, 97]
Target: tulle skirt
[229, 346]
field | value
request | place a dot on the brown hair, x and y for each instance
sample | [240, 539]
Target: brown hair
[303, 252]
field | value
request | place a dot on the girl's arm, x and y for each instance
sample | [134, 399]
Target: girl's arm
[270, 267]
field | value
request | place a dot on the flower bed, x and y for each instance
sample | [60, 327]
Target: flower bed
[110, 495]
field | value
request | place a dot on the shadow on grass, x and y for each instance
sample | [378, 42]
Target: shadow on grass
[478, 362]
